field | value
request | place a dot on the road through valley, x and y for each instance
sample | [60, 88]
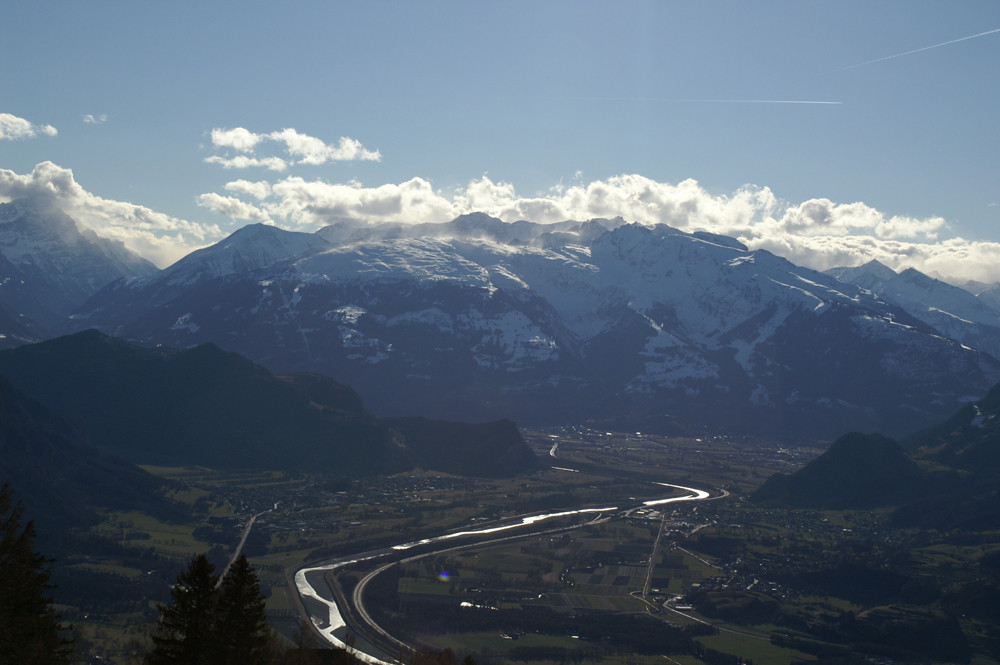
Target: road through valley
[335, 616]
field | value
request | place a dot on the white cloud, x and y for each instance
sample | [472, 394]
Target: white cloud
[239, 139]
[160, 238]
[817, 233]
[312, 204]
[824, 217]
[955, 259]
[13, 128]
[260, 190]
[233, 208]
[91, 119]
[299, 148]
[311, 150]
[243, 162]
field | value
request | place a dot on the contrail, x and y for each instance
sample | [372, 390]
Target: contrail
[693, 101]
[926, 48]
[754, 101]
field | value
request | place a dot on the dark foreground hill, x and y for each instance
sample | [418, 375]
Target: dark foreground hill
[62, 480]
[205, 406]
[943, 477]
[857, 471]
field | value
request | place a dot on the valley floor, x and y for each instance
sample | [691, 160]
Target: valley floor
[700, 582]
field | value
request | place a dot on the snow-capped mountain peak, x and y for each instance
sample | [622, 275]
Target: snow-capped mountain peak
[868, 276]
[250, 248]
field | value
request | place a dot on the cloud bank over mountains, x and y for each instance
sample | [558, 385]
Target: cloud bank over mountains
[818, 233]
[154, 235]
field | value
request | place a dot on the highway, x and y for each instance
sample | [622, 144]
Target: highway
[243, 541]
[334, 616]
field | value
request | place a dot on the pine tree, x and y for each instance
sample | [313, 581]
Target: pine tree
[211, 621]
[186, 631]
[243, 634]
[30, 632]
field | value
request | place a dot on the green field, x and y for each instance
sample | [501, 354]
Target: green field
[756, 649]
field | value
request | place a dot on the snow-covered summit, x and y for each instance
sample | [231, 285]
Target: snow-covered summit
[36, 234]
[250, 248]
[473, 227]
[868, 276]
[413, 259]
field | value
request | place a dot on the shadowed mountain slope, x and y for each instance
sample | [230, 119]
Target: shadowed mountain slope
[60, 478]
[969, 440]
[212, 407]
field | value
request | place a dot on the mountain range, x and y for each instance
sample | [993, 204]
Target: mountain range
[618, 324]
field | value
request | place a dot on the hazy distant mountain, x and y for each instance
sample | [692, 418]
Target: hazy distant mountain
[987, 293]
[479, 319]
[953, 311]
[215, 408]
[48, 266]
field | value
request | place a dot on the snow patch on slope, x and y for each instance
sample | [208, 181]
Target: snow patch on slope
[510, 340]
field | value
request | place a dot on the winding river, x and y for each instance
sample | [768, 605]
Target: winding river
[311, 584]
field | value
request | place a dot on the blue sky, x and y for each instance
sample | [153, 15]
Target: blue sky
[831, 132]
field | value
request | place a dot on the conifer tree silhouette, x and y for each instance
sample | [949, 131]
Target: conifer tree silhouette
[30, 630]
